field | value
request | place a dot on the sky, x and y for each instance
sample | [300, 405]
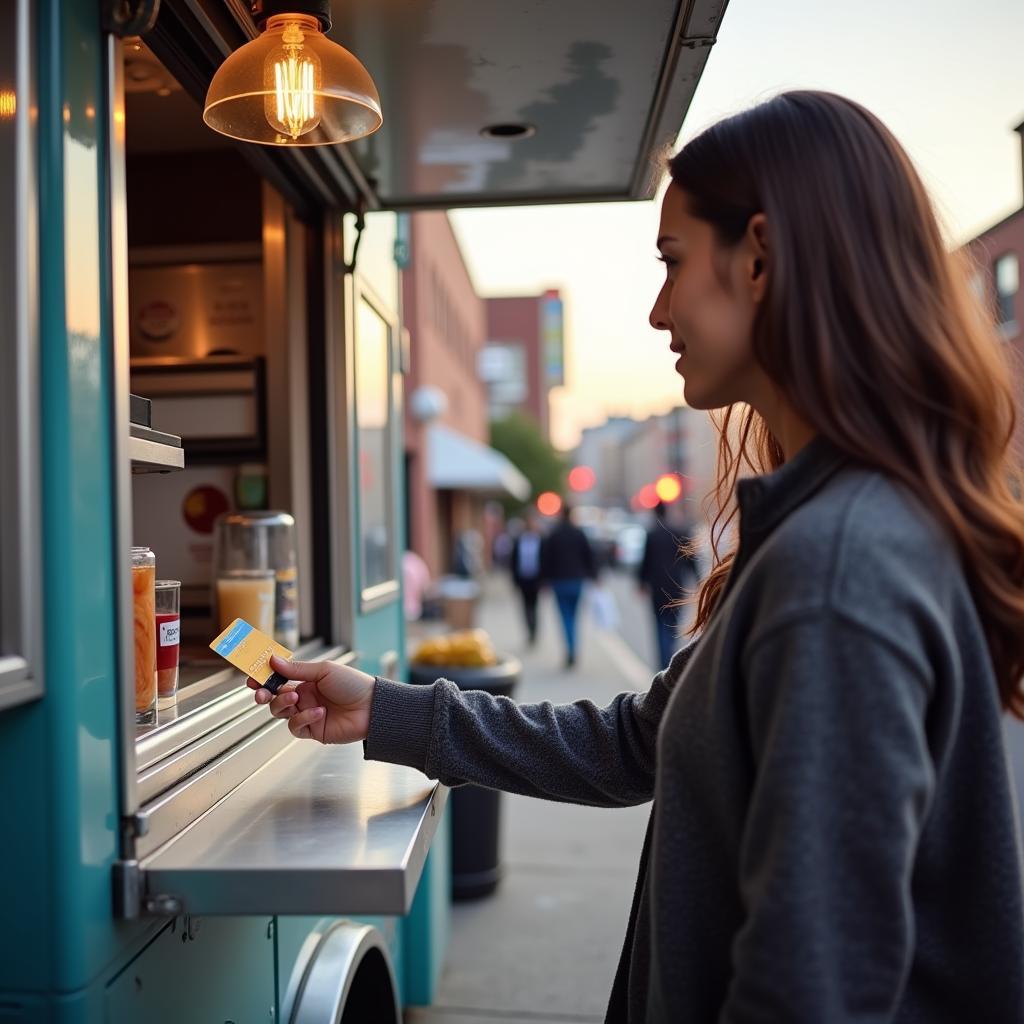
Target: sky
[946, 76]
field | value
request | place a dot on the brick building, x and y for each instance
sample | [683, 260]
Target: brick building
[450, 470]
[524, 357]
[998, 254]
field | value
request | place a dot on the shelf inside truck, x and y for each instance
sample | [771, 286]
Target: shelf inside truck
[314, 830]
[154, 452]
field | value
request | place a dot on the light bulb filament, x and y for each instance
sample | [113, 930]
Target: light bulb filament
[295, 88]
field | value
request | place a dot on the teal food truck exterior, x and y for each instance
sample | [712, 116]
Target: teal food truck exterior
[205, 866]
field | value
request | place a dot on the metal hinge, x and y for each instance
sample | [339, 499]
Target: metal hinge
[127, 889]
[130, 899]
[133, 826]
[136, 825]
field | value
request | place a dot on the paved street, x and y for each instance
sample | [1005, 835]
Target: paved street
[637, 625]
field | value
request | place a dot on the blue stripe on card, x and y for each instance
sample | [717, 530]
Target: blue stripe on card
[238, 632]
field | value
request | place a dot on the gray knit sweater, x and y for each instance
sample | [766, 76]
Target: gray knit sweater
[833, 837]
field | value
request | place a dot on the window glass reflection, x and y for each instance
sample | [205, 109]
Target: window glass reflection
[373, 445]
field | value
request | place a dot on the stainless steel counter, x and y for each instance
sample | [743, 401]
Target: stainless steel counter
[315, 830]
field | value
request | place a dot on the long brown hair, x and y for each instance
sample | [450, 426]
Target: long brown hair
[871, 332]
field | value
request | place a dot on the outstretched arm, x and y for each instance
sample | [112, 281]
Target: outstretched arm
[577, 752]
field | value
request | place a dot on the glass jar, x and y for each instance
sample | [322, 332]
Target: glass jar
[246, 594]
[248, 545]
[144, 615]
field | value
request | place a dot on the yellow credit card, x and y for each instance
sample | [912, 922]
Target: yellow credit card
[248, 649]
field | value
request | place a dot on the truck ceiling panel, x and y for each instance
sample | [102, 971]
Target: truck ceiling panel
[604, 83]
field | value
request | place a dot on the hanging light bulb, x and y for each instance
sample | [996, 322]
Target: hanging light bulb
[292, 86]
[293, 75]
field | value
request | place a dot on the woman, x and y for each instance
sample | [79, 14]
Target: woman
[833, 834]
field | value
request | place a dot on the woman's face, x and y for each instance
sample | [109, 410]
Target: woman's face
[707, 305]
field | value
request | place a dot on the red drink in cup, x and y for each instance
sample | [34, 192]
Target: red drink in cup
[168, 635]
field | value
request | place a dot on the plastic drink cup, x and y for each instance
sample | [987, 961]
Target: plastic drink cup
[168, 637]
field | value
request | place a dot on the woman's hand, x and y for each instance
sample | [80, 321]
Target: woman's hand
[329, 703]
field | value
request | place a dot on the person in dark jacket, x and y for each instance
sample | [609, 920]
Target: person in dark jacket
[525, 563]
[666, 569]
[567, 562]
[833, 837]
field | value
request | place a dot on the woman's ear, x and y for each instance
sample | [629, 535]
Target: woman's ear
[756, 245]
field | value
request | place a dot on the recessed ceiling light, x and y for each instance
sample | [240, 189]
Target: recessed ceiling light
[508, 131]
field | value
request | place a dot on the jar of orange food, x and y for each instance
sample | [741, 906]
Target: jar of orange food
[144, 613]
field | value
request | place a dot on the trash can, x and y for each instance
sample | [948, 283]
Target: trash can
[476, 811]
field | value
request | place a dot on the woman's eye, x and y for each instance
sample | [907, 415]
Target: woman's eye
[668, 261]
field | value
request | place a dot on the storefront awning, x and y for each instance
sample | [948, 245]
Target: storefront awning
[458, 463]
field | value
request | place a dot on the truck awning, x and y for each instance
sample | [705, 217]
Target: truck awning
[485, 103]
[458, 463]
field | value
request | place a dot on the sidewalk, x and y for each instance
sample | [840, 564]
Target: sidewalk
[543, 948]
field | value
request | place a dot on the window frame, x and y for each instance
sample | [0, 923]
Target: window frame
[21, 675]
[386, 591]
[1006, 300]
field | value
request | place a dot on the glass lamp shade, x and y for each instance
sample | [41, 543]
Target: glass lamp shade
[292, 86]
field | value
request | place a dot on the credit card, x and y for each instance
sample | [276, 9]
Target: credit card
[248, 649]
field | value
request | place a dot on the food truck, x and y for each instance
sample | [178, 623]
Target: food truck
[201, 367]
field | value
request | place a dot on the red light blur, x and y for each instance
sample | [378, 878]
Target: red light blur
[582, 478]
[648, 496]
[549, 504]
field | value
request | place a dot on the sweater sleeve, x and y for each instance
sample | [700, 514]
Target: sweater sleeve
[576, 753]
[843, 780]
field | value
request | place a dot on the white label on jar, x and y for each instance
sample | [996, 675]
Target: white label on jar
[169, 633]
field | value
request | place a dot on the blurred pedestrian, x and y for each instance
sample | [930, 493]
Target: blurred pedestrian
[415, 583]
[668, 568]
[504, 541]
[567, 562]
[526, 571]
[467, 554]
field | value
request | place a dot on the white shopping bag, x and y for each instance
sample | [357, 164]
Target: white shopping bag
[604, 611]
